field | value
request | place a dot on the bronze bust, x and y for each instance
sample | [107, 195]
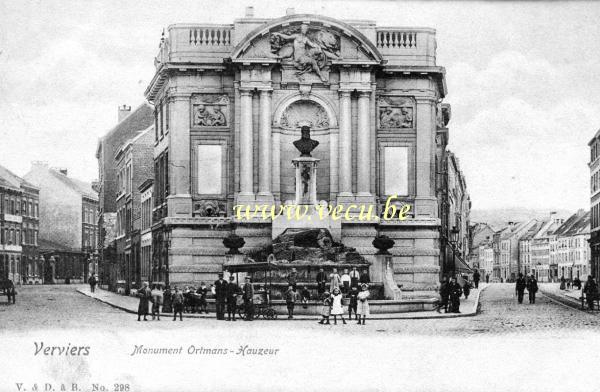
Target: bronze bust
[305, 144]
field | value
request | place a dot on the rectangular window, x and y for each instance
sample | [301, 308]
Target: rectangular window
[209, 169]
[160, 118]
[396, 171]
[166, 116]
[166, 169]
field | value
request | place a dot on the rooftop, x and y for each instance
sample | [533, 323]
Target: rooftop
[10, 179]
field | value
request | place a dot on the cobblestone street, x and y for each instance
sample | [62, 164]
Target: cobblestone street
[505, 339]
[61, 306]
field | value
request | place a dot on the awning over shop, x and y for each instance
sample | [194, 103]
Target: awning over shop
[461, 266]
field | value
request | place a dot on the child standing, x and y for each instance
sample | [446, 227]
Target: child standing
[326, 310]
[363, 303]
[353, 305]
[336, 306]
[290, 300]
[305, 296]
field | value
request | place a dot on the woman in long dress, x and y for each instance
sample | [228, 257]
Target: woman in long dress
[336, 306]
[363, 304]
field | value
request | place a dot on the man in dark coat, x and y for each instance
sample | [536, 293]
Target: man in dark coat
[232, 291]
[487, 278]
[444, 294]
[92, 281]
[321, 281]
[144, 295]
[532, 288]
[354, 277]
[10, 291]
[220, 296]
[591, 291]
[364, 278]
[520, 286]
[476, 277]
[248, 294]
[454, 293]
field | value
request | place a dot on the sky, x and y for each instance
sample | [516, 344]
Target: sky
[523, 81]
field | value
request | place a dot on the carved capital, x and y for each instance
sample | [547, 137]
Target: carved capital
[344, 93]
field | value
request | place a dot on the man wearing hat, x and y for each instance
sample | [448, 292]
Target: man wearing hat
[220, 296]
[248, 294]
[232, 292]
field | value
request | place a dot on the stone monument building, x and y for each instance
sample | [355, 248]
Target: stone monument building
[231, 99]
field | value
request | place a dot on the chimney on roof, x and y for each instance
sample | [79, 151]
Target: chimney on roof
[250, 12]
[290, 11]
[63, 171]
[124, 111]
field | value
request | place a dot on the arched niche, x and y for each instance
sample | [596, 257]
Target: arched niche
[310, 99]
[291, 113]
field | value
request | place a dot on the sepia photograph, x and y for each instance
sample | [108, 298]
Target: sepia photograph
[358, 195]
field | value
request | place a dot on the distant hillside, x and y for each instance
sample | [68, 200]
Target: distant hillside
[498, 218]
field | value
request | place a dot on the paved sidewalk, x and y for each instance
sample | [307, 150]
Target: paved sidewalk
[468, 307]
[573, 295]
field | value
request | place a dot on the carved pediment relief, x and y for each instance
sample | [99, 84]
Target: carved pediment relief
[304, 113]
[306, 46]
[210, 110]
[395, 112]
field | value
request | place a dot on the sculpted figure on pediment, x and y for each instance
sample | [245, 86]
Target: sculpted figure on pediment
[307, 49]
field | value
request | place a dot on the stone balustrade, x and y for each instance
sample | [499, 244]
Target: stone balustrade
[210, 35]
[406, 46]
[203, 43]
[210, 43]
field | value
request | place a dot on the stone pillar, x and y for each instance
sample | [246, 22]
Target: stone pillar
[246, 147]
[275, 161]
[425, 201]
[345, 146]
[180, 199]
[363, 143]
[310, 164]
[265, 148]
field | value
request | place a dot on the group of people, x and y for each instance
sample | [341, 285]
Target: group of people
[450, 293]
[344, 282]
[191, 299]
[229, 297]
[530, 283]
[569, 284]
[333, 306]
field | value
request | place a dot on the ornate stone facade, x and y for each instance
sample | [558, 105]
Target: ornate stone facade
[236, 97]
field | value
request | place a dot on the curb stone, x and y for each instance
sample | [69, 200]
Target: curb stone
[387, 316]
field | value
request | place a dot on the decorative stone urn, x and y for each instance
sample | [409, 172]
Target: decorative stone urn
[234, 242]
[383, 243]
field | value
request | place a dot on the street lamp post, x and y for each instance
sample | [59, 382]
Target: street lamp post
[453, 240]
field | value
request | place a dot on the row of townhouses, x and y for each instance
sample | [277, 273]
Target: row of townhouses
[549, 248]
[48, 231]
